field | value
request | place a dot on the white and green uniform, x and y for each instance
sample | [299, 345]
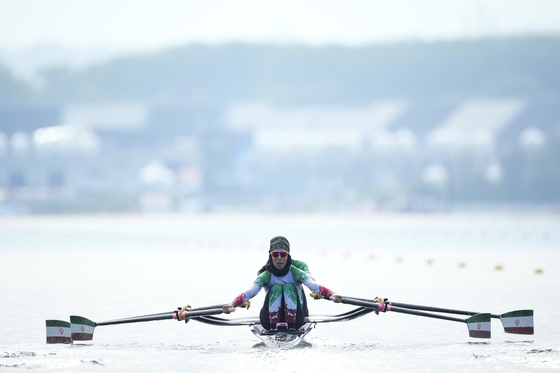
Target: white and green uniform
[289, 287]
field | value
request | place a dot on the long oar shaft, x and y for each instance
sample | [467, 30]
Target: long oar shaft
[168, 316]
[155, 316]
[429, 308]
[130, 320]
[424, 314]
[437, 309]
[379, 306]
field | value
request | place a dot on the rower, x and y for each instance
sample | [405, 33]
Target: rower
[283, 280]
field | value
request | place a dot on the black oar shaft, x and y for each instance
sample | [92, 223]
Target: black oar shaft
[376, 305]
[362, 303]
[424, 314]
[167, 313]
[168, 316]
[136, 319]
[431, 309]
[434, 309]
[208, 312]
[155, 316]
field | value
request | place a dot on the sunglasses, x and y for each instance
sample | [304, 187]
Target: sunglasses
[279, 254]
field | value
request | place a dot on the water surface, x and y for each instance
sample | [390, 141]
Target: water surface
[107, 267]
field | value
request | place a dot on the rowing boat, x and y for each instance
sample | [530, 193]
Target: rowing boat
[282, 337]
[82, 329]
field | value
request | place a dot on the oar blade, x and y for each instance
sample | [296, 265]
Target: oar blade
[82, 328]
[58, 331]
[479, 325]
[518, 322]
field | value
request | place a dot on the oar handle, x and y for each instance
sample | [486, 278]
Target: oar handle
[191, 314]
[363, 303]
[206, 307]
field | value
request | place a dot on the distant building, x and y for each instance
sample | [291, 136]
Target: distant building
[101, 156]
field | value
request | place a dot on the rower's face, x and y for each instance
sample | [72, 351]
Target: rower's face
[279, 262]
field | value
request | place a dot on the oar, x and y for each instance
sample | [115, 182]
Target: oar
[425, 308]
[82, 329]
[478, 325]
[514, 322]
[165, 314]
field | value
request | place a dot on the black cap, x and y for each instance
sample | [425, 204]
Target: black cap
[279, 242]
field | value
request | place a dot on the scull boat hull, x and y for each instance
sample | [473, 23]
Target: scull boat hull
[281, 339]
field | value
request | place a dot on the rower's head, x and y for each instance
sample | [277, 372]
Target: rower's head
[279, 251]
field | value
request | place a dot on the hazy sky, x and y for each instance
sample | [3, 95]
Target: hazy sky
[143, 24]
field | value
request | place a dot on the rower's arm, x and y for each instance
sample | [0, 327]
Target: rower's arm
[242, 298]
[262, 280]
[245, 296]
[318, 289]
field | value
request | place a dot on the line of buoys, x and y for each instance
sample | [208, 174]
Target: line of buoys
[480, 234]
[430, 261]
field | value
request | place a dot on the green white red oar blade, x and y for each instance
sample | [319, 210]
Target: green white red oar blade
[518, 322]
[82, 328]
[58, 331]
[479, 325]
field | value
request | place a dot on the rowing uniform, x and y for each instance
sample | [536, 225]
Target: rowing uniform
[287, 289]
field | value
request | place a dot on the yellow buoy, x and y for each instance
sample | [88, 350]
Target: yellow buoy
[539, 271]
[498, 268]
[429, 261]
[462, 265]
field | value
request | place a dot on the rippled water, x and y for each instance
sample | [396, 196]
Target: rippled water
[107, 267]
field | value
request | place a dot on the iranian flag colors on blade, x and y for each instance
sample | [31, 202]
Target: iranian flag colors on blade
[82, 328]
[480, 325]
[518, 322]
[58, 331]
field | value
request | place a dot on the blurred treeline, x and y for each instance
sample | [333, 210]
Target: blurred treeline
[215, 75]
[198, 76]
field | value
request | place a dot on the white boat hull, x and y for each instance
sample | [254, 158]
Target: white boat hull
[281, 339]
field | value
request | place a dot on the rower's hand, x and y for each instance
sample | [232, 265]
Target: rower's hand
[228, 308]
[336, 298]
